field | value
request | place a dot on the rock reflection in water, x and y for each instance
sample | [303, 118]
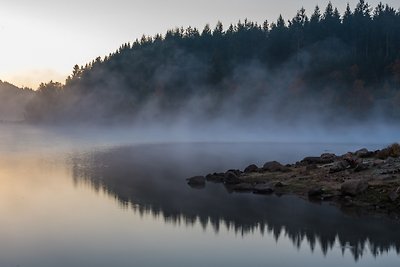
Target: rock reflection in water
[149, 179]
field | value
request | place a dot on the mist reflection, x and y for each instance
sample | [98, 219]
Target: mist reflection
[149, 180]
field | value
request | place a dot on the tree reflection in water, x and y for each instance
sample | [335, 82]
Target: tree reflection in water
[149, 179]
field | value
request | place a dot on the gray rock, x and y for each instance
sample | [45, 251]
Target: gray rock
[378, 162]
[197, 181]
[328, 156]
[231, 178]
[361, 167]
[251, 168]
[237, 172]
[317, 160]
[351, 159]
[353, 187]
[215, 177]
[390, 160]
[263, 189]
[393, 196]
[363, 153]
[274, 166]
[339, 166]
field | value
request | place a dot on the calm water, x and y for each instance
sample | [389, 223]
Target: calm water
[73, 200]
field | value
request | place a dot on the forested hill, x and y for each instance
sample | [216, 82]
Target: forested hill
[13, 101]
[321, 61]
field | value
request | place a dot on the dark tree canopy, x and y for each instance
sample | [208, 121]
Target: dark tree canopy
[350, 61]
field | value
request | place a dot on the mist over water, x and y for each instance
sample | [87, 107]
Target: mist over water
[93, 172]
[100, 198]
[324, 74]
[251, 104]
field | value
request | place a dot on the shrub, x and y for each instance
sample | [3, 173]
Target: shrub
[391, 151]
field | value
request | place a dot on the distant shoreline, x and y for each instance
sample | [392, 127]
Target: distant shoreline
[11, 122]
[366, 181]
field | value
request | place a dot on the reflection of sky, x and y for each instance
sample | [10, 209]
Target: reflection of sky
[48, 220]
[43, 39]
[149, 177]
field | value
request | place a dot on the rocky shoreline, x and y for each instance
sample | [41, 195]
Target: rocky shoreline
[363, 180]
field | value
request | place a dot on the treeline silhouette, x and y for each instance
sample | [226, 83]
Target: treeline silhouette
[13, 101]
[346, 63]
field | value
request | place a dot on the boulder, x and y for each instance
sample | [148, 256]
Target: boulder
[361, 167]
[393, 196]
[351, 159]
[215, 177]
[231, 178]
[339, 166]
[328, 156]
[274, 166]
[378, 162]
[363, 153]
[237, 172]
[263, 189]
[390, 161]
[251, 168]
[197, 181]
[317, 160]
[353, 187]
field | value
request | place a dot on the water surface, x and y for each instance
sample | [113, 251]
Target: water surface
[70, 200]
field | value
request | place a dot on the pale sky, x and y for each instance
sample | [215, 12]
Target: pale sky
[42, 40]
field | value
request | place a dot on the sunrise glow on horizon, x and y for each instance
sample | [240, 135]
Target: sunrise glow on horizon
[42, 40]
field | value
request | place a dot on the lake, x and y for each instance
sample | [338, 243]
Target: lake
[70, 199]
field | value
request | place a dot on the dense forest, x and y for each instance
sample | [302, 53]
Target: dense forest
[331, 64]
[13, 101]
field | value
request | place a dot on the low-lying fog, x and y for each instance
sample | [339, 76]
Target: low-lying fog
[23, 137]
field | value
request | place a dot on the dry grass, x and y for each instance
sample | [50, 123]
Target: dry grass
[391, 151]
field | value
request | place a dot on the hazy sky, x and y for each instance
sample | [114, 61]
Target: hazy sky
[43, 39]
